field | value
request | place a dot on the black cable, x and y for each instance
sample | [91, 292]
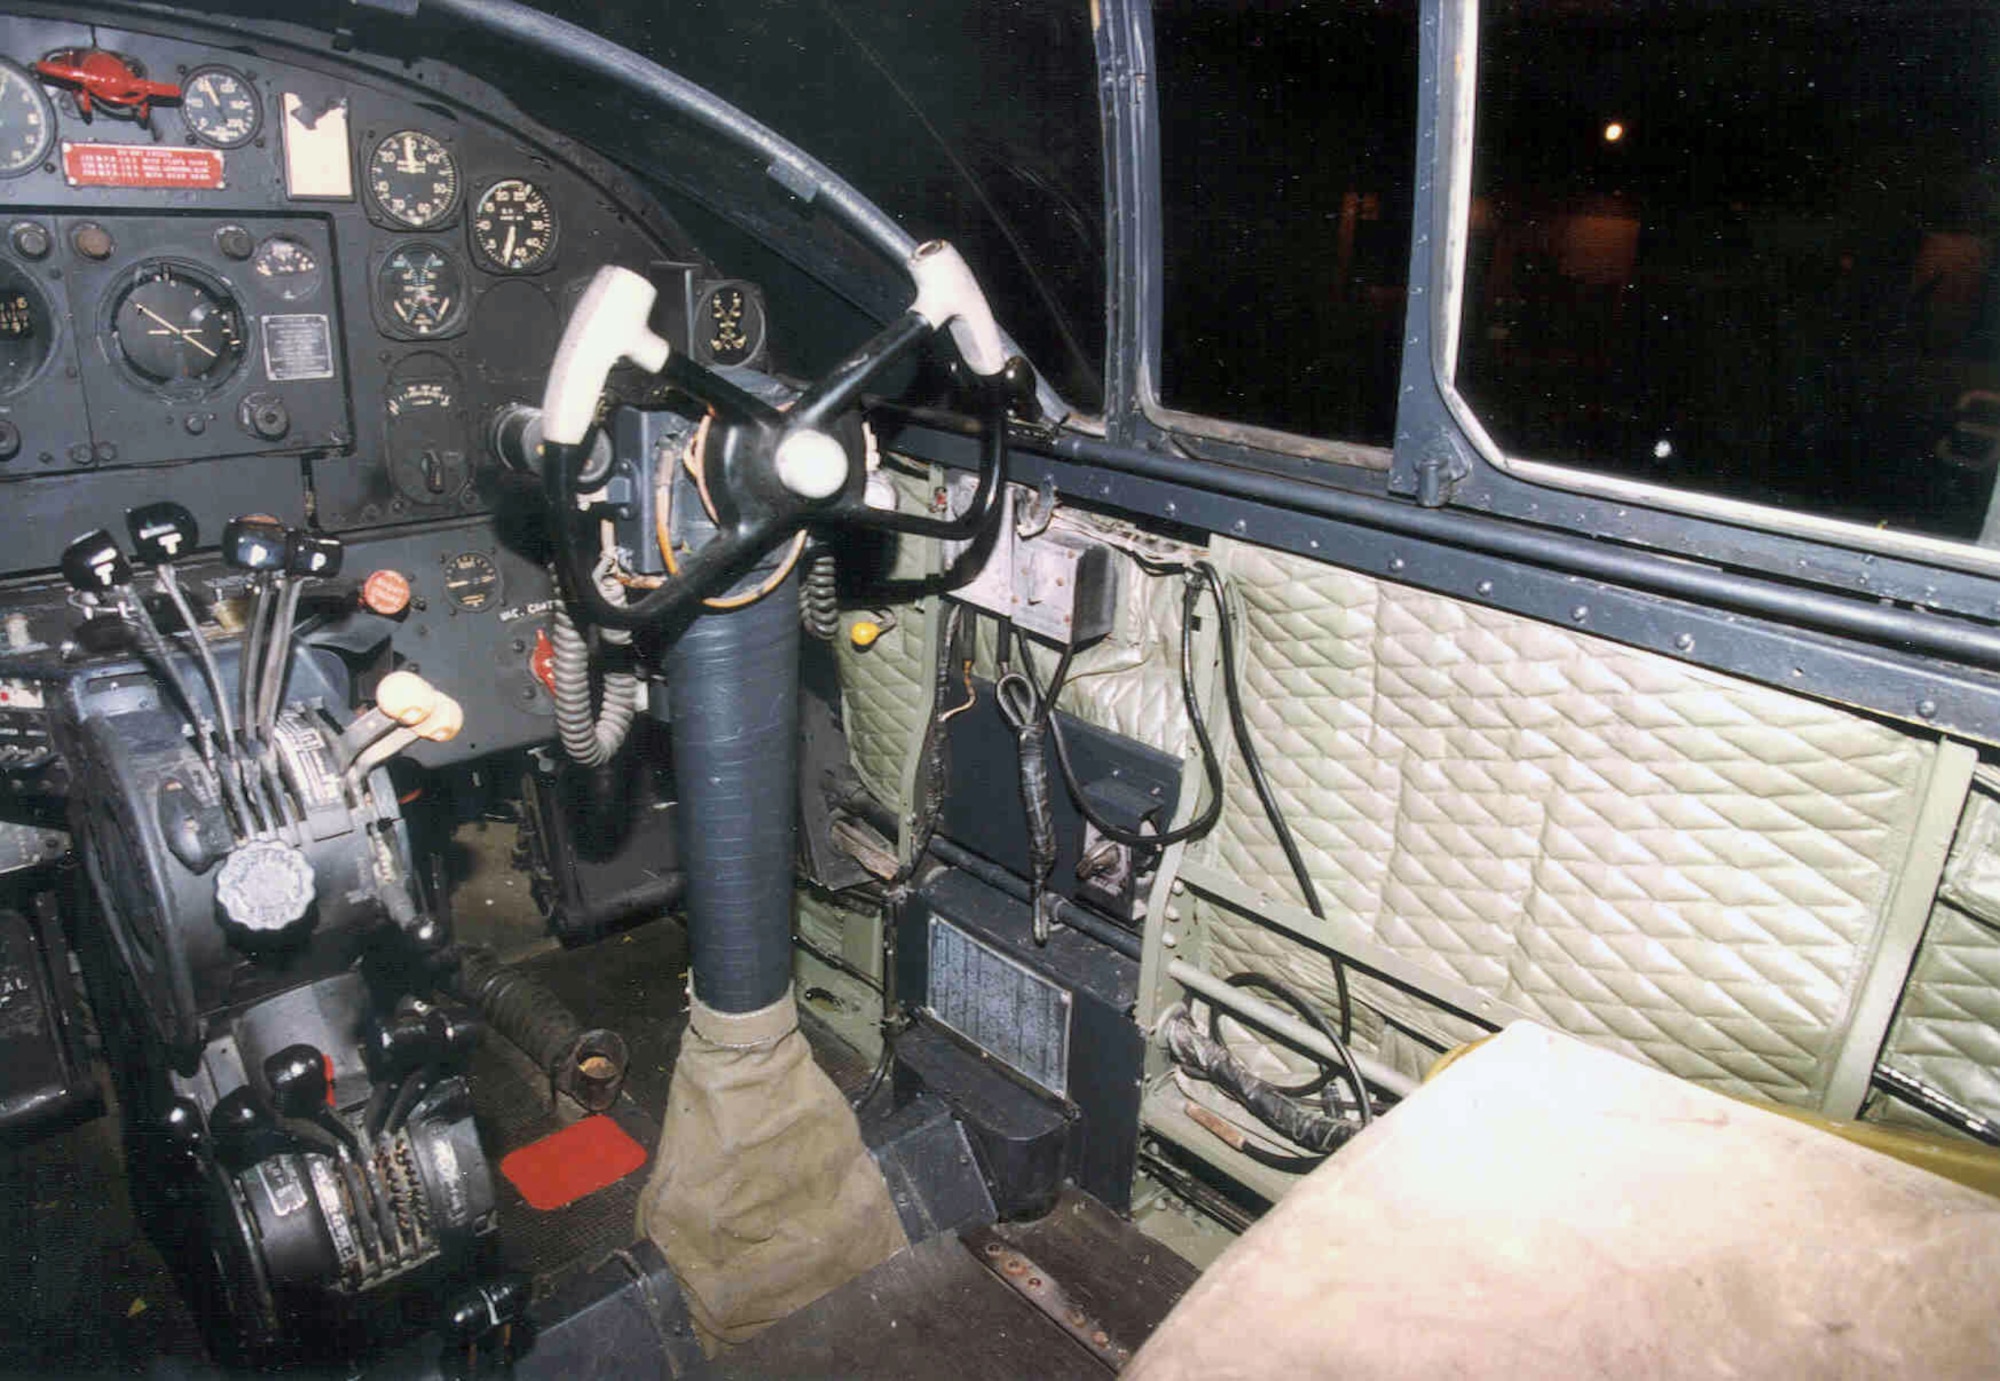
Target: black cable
[1296, 1000]
[1211, 765]
[1239, 726]
[1253, 767]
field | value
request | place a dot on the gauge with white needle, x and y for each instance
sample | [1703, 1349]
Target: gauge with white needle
[514, 227]
[413, 179]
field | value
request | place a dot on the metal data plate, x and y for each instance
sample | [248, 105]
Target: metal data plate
[999, 1004]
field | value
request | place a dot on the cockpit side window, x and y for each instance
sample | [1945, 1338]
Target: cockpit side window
[1747, 251]
[1287, 165]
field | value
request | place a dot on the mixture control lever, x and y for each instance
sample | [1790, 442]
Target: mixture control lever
[301, 1081]
[258, 544]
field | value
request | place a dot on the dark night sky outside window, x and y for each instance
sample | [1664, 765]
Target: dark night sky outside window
[1287, 147]
[1744, 249]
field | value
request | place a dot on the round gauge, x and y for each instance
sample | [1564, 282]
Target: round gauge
[729, 324]
[472, 581]
[27, 121]
[288, 267]
[220, 107]
[420, 291]
[27, 330]
[514, 227]
[413, 179]
[176, 327]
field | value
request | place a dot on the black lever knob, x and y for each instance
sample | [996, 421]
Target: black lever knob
[256, 543]
[242, 1129]
[299, 1081]
[399, 1046]
[93, 563]
[307, 553]
[162, 532]
[453, 1036]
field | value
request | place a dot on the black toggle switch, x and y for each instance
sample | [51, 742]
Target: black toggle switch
[162, 532]
[94, 563]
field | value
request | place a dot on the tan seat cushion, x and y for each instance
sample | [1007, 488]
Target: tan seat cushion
[1545, 1208]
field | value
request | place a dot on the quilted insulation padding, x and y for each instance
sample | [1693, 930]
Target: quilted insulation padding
[1947, 1031]
[1677, 865]
[884, 689]
[1947, 1028]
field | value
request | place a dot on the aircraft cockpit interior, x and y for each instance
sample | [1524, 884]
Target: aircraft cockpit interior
[999, 689]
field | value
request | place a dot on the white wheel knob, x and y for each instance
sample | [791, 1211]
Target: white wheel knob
[812, 464]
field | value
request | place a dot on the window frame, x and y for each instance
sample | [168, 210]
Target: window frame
[1457, 113]
[1443, 455]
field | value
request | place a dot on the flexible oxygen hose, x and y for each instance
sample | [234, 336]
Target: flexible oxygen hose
[590, 737]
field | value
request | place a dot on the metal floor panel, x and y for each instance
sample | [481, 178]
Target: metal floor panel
[927, 1312]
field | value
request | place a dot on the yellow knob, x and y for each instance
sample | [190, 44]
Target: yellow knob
[406, 697]
[863, 633]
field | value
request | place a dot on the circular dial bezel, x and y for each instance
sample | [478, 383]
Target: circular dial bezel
[290, 286]
[11, 73]
[450, 322]
[38, 307]
[489, 243]
[209, 285]
[375, 175]
[229, 74]
[471, 581]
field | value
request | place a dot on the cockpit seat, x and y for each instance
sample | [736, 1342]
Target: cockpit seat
[1546, 1208]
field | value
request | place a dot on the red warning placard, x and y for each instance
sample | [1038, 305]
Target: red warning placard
[141, 165]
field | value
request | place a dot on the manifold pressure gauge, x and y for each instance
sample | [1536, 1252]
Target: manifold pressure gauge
[514, 227]
[413, 179]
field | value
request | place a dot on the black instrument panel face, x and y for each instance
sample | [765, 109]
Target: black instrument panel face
[294, 284]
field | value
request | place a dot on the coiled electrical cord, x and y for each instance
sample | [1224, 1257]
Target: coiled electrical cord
[819, 596]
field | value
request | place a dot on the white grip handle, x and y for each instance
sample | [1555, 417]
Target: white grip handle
[948, 295]
[608, 325]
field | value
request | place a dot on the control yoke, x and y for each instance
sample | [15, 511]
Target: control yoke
[767, 473]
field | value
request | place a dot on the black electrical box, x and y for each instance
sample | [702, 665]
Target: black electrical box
[1034, 1046]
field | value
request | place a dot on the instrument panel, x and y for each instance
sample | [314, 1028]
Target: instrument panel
[250, 276]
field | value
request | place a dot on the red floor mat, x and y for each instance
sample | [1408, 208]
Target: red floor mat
[564, 1166]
